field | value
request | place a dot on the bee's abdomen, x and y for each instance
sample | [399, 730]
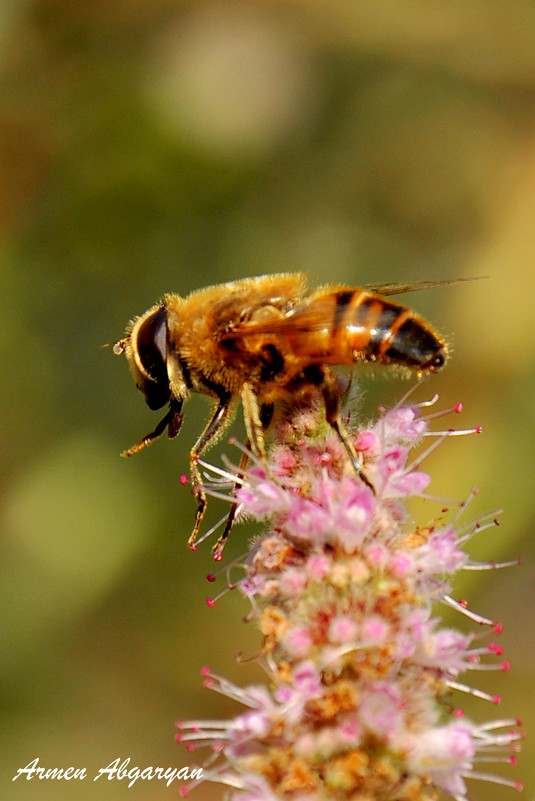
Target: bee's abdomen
[367, 327]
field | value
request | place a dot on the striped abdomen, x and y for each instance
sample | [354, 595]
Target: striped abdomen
[354, 325]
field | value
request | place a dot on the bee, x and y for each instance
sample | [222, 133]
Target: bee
[262, 341]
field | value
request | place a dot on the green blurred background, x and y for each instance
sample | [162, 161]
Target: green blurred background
[163, 146]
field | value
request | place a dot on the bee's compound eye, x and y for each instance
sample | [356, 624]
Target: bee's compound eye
[149, 359]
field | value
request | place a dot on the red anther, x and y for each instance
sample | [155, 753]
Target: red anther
[206, 670]
[506, 665]
[513, 760]
[479, 429]
[210, 603]
[178, 738]
[498, 628]
[210, 577]
[464, 603]
[458, 408]
[495, 649]
[519, 786]
[193, 547]
[184, 479]
[497, 699]
[183, 791]
[218, 556]
[458, 713]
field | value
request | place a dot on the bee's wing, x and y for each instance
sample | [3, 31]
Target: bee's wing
[398, 288]
[315, 314]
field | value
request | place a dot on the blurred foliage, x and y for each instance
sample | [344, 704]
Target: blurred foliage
[165, 146]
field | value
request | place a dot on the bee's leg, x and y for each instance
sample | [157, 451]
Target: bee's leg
[253, 423]
[331, 398]
[265, 416]
[217, 549]
[172, 421]
[214, 428]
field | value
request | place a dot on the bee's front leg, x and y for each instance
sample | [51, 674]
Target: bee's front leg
[265, 415]
[172, 421]
[197, 489]
[213, 430]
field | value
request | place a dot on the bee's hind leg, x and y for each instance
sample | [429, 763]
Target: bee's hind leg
[331, 399]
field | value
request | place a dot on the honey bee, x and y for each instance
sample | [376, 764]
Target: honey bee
[262, 341]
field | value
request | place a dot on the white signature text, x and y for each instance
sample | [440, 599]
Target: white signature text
[117, 769]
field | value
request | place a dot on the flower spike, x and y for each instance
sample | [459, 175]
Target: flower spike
[344, 587]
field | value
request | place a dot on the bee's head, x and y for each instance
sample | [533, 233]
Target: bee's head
[156, 370]
[146, 349]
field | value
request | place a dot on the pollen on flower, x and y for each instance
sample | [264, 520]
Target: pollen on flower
[345, 589]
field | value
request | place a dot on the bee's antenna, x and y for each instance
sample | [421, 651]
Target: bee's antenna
[119, 347]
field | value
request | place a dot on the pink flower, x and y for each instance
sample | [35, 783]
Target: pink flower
[381, 710]
[343, 586]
